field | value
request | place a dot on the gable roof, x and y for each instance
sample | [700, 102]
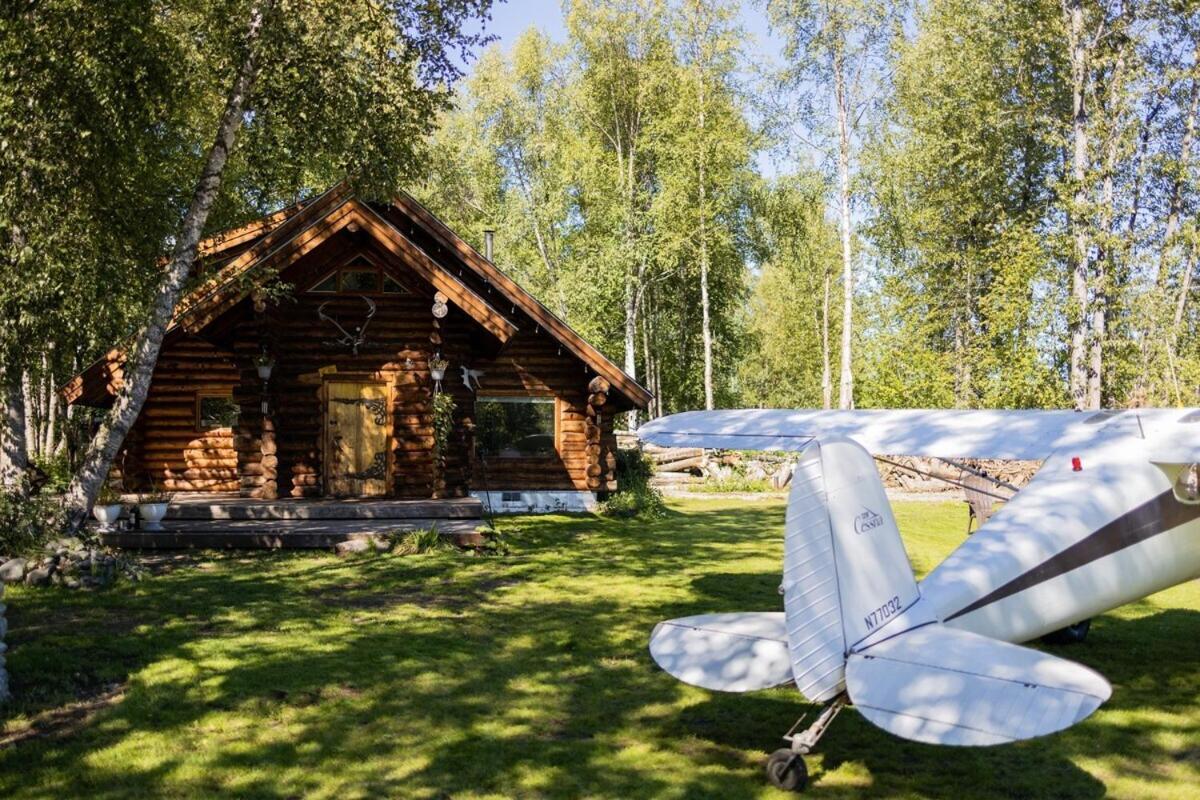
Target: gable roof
[255, 252]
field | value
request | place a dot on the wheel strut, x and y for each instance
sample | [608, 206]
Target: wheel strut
[806, 741]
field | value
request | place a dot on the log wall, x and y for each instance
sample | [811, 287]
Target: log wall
[280, 453]
[165, 446]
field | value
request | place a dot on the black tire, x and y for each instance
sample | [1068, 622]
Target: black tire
[786, 770]
[1072, 634]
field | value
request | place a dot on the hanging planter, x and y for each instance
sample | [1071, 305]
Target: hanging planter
[437, 368]
[264, 364]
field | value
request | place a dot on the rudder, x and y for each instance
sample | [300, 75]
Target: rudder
[845, 571]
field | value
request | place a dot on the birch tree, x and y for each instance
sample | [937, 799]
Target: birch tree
[836, 54]
[625, 60]
[289, 65]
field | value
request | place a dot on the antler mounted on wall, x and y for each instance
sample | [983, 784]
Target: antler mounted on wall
[352, 340]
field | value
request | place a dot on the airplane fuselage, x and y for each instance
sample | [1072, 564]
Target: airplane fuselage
[1074, 543]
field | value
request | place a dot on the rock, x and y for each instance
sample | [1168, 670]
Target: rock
[71, 583]
[381, 544]
[351, 546]
[39, 576]
[13, 570]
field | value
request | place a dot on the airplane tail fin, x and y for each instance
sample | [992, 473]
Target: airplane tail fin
[846, 574]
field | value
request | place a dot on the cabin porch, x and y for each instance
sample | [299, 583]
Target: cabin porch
[227, 520]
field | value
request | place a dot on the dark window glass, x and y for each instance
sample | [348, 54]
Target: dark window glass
[328, 285]
[217, 412]
[391, 286]
[357, 280]
[514, 427]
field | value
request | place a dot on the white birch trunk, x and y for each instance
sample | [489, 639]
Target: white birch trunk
[705, 312]
[14, 460]
[1078, 315]
[826, 372]
[846, 386]
[143, 354]
[29, 406]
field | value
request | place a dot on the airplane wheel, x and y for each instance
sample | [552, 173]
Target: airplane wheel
[1072, 634]
[787, 770]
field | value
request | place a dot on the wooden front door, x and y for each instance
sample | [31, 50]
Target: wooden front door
[357, 439]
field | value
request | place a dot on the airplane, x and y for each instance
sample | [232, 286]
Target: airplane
[1111, 516]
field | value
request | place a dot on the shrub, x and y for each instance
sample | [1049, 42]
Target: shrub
[27, 524]
[56, 471]
[734, 483]
[634, 496]
[424, 540]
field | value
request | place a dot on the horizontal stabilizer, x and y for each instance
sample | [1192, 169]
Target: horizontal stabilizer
[948, 686]
[741, 652]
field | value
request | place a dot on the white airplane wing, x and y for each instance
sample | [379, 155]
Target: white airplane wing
[1021, 435]
[947, 686]
[740, 652]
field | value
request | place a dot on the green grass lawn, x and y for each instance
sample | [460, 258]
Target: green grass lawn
[303, 675]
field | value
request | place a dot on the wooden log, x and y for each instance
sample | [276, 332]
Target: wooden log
[682, 465]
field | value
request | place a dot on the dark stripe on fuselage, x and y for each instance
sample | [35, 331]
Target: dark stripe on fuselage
[1149, 519]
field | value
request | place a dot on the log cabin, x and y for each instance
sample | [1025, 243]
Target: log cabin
[305, 364]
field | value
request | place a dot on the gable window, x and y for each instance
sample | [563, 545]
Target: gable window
[514, 427]
[327, 285]
[358, 277]
[216, 411]
[360, 280]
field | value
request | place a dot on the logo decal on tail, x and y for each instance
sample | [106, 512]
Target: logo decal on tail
[867, 521]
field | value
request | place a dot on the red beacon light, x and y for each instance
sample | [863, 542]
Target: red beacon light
[1076, 464]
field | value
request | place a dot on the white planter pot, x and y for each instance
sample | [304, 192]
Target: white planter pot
[152, 515]
[264, 371]
[107, 516]
[437, 374]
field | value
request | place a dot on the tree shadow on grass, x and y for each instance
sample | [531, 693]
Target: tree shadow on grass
[287, 675]
[1143, 659]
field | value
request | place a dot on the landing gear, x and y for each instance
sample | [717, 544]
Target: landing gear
[785, 767]
[786, 770]
[1072, 634]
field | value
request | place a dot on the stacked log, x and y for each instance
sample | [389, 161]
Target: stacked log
[601, 465]
[682, 466]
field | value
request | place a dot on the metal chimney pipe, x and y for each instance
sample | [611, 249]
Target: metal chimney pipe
[488, 235]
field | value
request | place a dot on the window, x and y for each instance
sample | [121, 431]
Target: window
[360, 280]
[327, 285]
[216, 411]
[360, 277]
[514, 427]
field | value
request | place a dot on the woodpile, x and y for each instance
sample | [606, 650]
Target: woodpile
[931, 474]
[680, 467]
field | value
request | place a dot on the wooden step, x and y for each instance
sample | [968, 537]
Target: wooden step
[244, 509]
[281, 534]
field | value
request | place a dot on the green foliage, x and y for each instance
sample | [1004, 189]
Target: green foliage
[735, 484]
[586, 158]
[424, 540]
[634, 496]
[443, 422]
[57, 469]
[788, 313]
[108, 496]
[28, 523]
